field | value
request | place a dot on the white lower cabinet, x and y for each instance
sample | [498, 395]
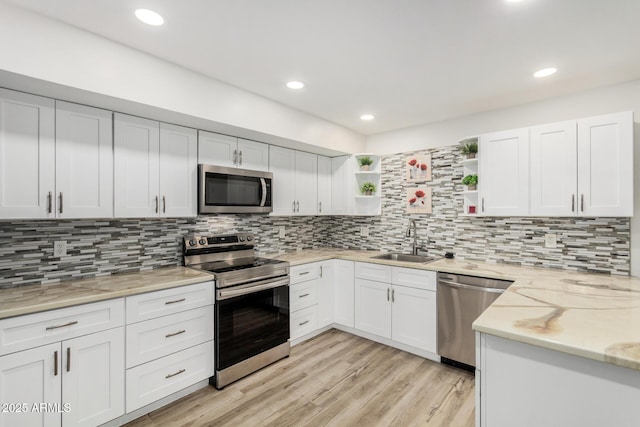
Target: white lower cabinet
[402, 309]
[78, 381]
[326, 287]
[169, 342]
[344, 293]
[303, 322]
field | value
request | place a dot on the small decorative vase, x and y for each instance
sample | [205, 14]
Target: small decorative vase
[368, 193]
[364, 167]
[471, 155]
[472, 187]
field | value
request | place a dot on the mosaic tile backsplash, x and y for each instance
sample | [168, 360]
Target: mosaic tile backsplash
[102, 247]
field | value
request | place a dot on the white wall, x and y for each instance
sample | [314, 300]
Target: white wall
[40, 48]
[610, 99]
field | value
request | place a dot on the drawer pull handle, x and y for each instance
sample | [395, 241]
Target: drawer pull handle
[175, 301]
[304, 295]
[176, 373]
[68, 359]
[55, 363]
[303, 323]
[303, 273]
[175, 333]
[75, 322]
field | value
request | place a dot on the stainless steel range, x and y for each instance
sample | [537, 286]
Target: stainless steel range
[252, 303]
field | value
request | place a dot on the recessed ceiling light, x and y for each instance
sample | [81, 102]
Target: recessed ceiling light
[545, 72]
[514, 1]
[295, 85]
[149, 17]
[366, 117]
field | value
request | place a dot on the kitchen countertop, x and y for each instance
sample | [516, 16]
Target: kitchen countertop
[585, 314]
[35, 298]
[596, 316]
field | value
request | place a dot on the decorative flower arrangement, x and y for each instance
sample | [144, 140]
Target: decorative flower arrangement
[365, 163]
[471, 181]
[368, 188]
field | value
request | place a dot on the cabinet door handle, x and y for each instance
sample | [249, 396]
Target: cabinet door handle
[55, 363]
[303, 323]
[303, 273]
[293, 207]
[175, 333]
[48, 328]
[321, 272]
[175, 301]
[61, 202]
[240, 156]
[235, 157]
[50, 203]
[298, 206]
[393, 295]
[387, 294]
[164, 204]
[175, 373]
[319, 207]
[573, 203]
[582, 202]
[156, 204]
[303, 295]
[483, 204]
[68, 359]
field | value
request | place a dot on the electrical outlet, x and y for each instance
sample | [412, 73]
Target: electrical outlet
[550, 240]
[60, 248]
[281, 233]
[364, 231]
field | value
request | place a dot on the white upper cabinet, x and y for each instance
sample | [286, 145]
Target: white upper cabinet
[178, 170]
[84, 162]
[155, 169]
[554, 169]
[295, 181]
[341, 196]
[137, 167]
[253, 155]
[324, 186]
[229, 151]
[583, 167]
[27, 156]
[503, 171]
[605, 165]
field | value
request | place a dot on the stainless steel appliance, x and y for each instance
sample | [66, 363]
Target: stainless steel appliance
[233, 190]
[251, 327]
[461, 300]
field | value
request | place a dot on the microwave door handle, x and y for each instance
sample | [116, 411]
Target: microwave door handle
[264, 191]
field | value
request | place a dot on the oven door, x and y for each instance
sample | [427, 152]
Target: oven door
[232, 190]
[250, 321]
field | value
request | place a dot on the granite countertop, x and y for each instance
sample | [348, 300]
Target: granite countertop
[585, 314]
[35, 298]
[596, 316]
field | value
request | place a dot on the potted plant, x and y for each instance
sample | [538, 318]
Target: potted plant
[470, 149]
[365, 163]
[368, 188]
[471, 181]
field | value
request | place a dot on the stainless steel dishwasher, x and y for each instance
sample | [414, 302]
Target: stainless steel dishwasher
[461, 300]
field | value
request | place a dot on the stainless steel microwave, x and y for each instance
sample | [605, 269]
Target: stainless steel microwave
[232, 190]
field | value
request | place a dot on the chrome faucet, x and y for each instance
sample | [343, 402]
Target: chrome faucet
[412, 224]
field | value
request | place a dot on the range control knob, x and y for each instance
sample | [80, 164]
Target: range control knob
[241, 238]
[192, 242]
[202, 242]
[249, 238]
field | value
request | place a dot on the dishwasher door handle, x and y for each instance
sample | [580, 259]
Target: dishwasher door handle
[475, 288]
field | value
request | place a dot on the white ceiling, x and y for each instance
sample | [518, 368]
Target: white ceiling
[408, 62]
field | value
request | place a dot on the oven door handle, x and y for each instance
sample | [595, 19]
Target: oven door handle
[263, 182]
[224, 294]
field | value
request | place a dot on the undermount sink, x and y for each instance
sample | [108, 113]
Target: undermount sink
[405, 257]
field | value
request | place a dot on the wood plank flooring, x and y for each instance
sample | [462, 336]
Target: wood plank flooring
[334, 379]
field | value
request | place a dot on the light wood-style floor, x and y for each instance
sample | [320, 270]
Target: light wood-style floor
[334, 379]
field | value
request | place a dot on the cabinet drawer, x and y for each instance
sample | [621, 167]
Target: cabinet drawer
[376, 272]
[32, 330]
[169, 301]
[302, 273]
[162, 377]
[303, 295]
[413, 278]
[304, 321]
[156, 338]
